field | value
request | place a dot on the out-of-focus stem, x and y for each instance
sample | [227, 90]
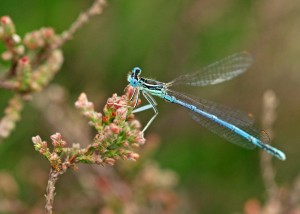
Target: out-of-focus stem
[11, 116]
[82, 19]
[270, 102]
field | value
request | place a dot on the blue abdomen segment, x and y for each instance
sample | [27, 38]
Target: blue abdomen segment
[227, 130]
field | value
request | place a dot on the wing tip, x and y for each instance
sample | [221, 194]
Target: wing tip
[248, 55]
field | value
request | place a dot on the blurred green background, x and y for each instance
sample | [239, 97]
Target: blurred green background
[166, 39]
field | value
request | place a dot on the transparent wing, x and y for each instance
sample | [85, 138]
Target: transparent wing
[233, 116]
[217, 72]
[236, 118]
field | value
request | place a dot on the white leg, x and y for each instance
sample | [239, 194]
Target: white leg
[137, 98]
[152, 102]
[117, 104]
[142, 108]
[136, 90]
[133, 94]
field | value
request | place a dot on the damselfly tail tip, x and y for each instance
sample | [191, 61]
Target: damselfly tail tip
[273, 151]
[280, 155]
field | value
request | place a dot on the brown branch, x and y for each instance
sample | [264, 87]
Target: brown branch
[50, 190]
[294, 197]
[82, 19]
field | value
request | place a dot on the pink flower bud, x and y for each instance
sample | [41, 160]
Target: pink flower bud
[54, 157]
[34, 40]
[56, 137]
[114, 128]
[122, 113]
[121, 151]
[99, 138]
[88, 114]
[5, 20]
[97, 160]
[24, 61]
[47, 33]
[55, 143]
[37, 139]
[110, 102]
[19, 49]
[133, 156]
[42, 151]
[82, 101]
[63, 143]
[104, 119]
[135, 145]
[16, 38]
[98, 115]
[122, 102]
[129, 91]
[109, 161]
[7, 55]
[8, 26]
[126, 144]
[136, 124]
[44, 144]
[64, 166]
[140, 139]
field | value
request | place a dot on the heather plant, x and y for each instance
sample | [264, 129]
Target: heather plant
[117, 133]
[34, 60]
[33, 63]
[101, 162]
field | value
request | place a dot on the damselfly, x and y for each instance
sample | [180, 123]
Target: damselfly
[234, 126]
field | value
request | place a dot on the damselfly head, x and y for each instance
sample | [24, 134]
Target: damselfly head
[133, 78]
[136, 71]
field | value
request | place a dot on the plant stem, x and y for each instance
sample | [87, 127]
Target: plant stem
[83, 18]
[270, 102]
[50, 191]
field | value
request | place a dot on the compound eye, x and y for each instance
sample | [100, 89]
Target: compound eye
[136, 71]
[134, 82]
